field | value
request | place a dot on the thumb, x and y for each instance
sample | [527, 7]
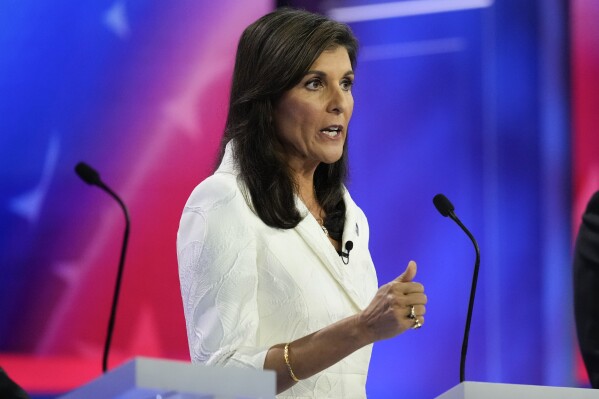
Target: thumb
[409, 274]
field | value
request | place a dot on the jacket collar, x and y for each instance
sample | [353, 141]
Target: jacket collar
[311, 232]
[228, 164]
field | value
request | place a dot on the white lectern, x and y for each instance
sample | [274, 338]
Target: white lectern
[484, 390]
[146, 378]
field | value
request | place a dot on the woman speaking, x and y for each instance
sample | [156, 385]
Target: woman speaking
[273, 252]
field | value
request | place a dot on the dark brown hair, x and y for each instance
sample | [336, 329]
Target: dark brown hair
[273, 55]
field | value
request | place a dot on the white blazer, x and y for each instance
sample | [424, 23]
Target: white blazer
[247, 286]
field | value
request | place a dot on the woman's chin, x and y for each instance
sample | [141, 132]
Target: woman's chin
[331, 158]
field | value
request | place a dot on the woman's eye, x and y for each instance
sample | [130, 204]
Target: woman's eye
[347, 84]
[314, 84]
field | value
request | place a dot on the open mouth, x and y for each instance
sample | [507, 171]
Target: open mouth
[332, 131]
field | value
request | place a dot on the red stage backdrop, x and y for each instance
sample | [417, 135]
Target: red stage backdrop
[585, 114]
[139, 90]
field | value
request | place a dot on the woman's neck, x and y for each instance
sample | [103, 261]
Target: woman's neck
[305, 190]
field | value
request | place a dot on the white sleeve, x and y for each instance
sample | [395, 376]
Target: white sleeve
[218, 276]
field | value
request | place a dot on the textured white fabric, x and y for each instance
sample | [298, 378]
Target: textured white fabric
[247, 286]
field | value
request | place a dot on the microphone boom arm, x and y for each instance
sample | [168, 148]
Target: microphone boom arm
[446, 208]
[472, 295]
[91, 176]
[119, 277]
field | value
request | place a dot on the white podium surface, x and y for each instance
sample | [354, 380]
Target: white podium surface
[485, 390]
[146, 378]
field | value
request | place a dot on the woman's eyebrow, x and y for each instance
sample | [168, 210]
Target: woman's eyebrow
[321, 73]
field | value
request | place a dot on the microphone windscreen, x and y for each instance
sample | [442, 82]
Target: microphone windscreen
[88, 174]
[443, 205]
[349, 246]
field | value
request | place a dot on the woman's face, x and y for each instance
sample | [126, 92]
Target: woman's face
[311, 118]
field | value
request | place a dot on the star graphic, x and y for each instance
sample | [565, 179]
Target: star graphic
[115, 19]
[181, 111]
[29, 204]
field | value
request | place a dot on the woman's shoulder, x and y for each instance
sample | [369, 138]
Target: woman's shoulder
[215, 216]
[216, 191]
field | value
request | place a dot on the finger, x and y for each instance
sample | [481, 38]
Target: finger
[407, 288]
[405, 301]
[418, 310]
[415, 299]
[408, 274]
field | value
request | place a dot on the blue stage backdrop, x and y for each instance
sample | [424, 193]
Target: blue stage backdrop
[462, 97]
[467, 98]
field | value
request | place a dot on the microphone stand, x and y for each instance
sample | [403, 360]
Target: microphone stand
[446, 208]
[472, 294]
[90, 176]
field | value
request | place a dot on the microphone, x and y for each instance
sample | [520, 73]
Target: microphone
[88, 174]
[92, 177]
[349, 245]
[446, 208]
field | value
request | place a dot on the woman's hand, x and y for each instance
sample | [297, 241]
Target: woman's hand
[388, 315]
[390, 311]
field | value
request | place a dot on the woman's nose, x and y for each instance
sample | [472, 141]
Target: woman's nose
[338, 101]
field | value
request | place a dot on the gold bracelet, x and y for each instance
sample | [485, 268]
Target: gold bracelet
[286, 356]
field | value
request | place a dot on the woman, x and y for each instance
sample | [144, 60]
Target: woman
[268, 277]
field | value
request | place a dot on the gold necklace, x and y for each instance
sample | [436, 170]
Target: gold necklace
[321, 223]
[318, 219]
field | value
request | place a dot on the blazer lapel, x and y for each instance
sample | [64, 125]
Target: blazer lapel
[312, 234]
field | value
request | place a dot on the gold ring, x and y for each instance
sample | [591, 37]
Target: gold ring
[412, 314]
[417, 324]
